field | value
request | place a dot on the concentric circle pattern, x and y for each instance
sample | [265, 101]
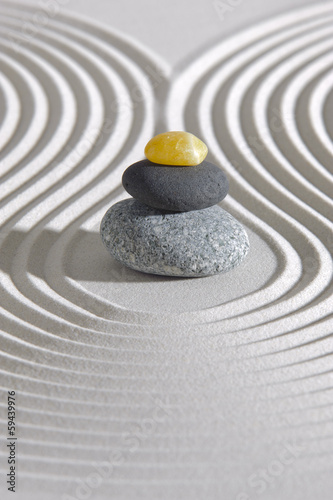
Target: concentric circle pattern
[138, 386]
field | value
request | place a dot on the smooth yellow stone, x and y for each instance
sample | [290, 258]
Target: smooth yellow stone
[176, 148]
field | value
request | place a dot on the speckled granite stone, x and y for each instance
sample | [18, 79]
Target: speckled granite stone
[176, 188]
[193, 244]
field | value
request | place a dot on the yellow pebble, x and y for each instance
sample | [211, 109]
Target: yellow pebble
[176, 148]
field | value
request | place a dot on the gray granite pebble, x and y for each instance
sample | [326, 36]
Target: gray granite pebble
[176, 188]
[193, 244]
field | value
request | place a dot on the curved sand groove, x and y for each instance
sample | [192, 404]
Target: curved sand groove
[10, 121]
[317, 173]
[327, 115]
[39, 116]
[112, 144]
[232, 97]
[94, 121]
[305, 189]
[63, 104]
[48, 200]
[316, 110]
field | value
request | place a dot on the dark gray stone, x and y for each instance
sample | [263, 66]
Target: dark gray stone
[198, 243]
[179, 189]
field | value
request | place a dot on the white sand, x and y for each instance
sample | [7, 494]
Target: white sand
[199, 389]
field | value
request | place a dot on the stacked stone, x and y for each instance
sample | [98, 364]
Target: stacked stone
[173, 226]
